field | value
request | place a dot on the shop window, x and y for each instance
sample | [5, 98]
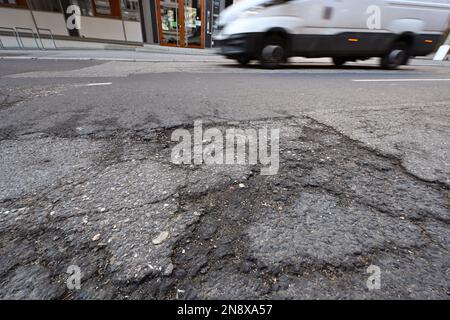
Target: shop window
[14, 3]
[102, 7]
[45, 5]
[107, 8]
[130, 10]
[85, 6]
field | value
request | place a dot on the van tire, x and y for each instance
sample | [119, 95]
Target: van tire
[243, 61]
[272, 56]
[396, 56]
[273, 51]
[339, 62]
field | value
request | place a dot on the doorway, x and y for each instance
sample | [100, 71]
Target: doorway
[180, 23]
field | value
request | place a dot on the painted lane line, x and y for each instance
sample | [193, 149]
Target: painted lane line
[98, 84]
[397, 80]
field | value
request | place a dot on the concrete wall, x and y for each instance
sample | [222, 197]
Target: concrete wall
[52, 21]
[10, 17]
[11, 43]
[111, 29]
[102, 28]
[133, 31]
[91, 27]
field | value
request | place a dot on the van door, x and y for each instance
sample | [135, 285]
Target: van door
[341, 28]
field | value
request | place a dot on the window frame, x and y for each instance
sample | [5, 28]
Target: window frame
[124, 9]
[20, 4]
[40, 10]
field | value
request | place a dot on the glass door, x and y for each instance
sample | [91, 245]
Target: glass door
[180, 23]
[169, 22]
[193, 23]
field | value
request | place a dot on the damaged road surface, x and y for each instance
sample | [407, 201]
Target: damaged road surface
[141, 227]
[104, 195]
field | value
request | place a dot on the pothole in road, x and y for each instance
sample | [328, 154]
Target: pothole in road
[334, 208]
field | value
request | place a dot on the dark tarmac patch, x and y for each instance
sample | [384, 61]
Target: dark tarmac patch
[335, 208]
[310, 231]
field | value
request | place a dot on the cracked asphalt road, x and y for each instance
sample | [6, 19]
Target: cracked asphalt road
[86, 179]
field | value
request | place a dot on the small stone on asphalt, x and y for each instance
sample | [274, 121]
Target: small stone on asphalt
[161, 238]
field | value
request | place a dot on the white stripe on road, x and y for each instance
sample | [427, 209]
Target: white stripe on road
[397, 80]
[98, 84]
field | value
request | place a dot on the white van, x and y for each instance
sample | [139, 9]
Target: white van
[346, 30]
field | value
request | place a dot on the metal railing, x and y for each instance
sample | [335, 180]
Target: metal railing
[28, 30]
[16, 35]
[16, 31]
[50, 33]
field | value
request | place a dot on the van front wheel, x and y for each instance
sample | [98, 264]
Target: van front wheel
[272, 56]
[398, 55]
[273, 52]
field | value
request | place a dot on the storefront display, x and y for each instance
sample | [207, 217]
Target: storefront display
[181, 23]
[187, 23]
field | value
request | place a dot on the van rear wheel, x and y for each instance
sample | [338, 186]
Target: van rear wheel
[339, 62]
[243, 61]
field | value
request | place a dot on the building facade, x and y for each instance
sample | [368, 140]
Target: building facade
[181, 23]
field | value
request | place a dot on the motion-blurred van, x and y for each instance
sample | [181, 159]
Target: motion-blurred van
[346, 30]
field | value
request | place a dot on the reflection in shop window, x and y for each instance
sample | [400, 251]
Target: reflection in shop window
[14, 3]
[85, 6]
[102, 7]
[169, 22]
[192, 22]
[45, 5]
[130, 10]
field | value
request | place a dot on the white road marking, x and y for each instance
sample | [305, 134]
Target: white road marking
[98, 84]
[398, 80]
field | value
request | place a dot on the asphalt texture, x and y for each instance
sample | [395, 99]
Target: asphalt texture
[86, 179]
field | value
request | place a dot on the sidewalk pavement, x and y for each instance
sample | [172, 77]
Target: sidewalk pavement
[156, 48]
[155, 53]
[144, 55]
